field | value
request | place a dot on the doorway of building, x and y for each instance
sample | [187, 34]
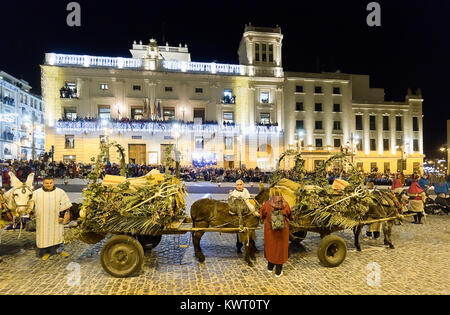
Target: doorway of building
[137, 153]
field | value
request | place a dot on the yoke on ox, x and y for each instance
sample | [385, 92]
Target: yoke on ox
[18, 199]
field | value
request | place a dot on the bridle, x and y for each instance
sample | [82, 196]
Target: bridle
[24, 189]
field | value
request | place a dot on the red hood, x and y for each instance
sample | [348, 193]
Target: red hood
[415, 188]
[397, 184]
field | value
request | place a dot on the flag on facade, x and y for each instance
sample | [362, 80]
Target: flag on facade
[146, 108]
[159, 109]
[155, 110]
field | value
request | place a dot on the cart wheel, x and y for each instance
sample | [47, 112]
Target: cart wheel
[149, 240]
[298, 236]
[91, 237]
[122, 256]
[332, 251]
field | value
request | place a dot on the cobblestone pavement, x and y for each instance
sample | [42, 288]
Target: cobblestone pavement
[418, 265]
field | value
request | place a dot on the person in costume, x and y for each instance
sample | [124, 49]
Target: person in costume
[50, 205]
[242, 192]
[276, 242]
[417, 199]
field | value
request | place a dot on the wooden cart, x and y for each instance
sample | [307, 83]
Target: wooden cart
[122, 255]
[332, 249]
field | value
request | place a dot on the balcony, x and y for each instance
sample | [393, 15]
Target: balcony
[68, 92]
[228, 100]
[7, 100]
[7, 136]
[158, 126]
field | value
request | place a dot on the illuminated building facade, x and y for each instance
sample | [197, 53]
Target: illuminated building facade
[227, 115]
[21, 120]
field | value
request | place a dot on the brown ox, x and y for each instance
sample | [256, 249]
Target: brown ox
[212, 213]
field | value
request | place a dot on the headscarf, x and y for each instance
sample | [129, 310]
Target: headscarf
[415, 189]
[396, 184]
[277, 202]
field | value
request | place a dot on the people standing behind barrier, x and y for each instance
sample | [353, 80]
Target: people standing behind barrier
[424, 182]
[441, 186]
[276, 242]
[417, 198]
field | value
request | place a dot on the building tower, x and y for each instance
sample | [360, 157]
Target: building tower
[260, 49]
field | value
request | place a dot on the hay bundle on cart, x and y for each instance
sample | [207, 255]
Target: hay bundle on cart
[135, 206]
[315, 203]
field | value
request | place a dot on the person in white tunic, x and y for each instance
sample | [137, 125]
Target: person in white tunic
[50, 205]
[242, 192]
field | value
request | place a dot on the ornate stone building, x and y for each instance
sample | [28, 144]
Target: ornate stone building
[222, 114]
[21, 120]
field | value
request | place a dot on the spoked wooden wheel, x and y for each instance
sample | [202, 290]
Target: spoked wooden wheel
[332, 251]
[122, 256]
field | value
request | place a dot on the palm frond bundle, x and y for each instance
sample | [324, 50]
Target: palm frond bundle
[136, 206]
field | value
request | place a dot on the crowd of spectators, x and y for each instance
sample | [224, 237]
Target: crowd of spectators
[71, 169]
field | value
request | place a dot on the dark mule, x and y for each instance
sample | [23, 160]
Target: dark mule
[386, 205]
[212, 213]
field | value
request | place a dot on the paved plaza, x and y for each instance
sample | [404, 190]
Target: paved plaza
[418, 265]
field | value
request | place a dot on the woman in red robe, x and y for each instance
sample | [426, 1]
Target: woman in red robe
[276, 242]
[417, 199]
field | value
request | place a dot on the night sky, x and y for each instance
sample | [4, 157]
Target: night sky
[410, 49]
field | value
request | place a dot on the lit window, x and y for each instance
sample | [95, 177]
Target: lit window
[228, 143]
[69, 142]
[137, 113]
[104, 86]
[169, 113]
[265, 97]
[265, 118]
[228, 117]
[228, 97]
[104, 112]
[70, 113]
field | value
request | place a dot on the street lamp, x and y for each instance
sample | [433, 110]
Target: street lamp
[354, 140]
